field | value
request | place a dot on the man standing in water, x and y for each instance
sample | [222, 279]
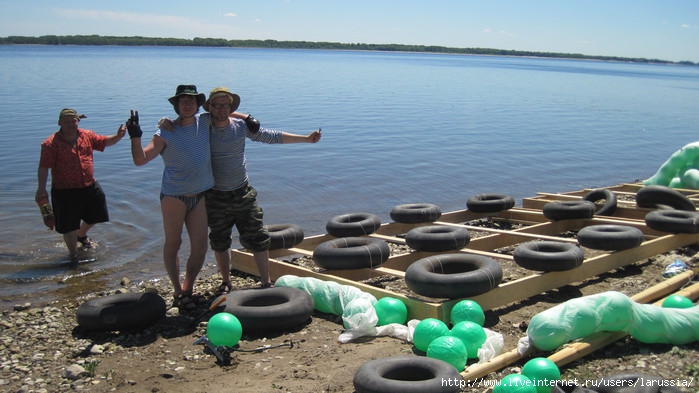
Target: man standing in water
[78, 200]
[232, 201]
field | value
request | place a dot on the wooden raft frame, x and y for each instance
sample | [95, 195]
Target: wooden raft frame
[537, 227]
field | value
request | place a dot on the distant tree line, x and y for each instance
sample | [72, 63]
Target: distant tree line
[220, 42]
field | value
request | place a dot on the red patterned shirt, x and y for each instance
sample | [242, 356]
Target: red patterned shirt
[71, 165]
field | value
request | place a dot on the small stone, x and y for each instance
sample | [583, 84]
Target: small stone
[96, 349]
[22, 307]
[74, 372]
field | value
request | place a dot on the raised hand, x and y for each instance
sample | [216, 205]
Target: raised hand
[133, 127]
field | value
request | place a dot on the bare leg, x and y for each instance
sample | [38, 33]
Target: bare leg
[71, 240]
[197, 229]
[174, 212]
[262, 261]
[223, 260]
[84, 227]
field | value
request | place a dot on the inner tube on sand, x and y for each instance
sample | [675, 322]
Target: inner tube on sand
[270, 309]
[406, 374]
[122, 311]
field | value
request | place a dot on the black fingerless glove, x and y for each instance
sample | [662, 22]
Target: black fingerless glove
[133, 127]
[253, 124]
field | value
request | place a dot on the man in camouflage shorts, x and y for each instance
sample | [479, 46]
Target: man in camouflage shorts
[232, 201]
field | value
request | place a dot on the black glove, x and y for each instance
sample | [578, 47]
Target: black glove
[253, 124]
[133, 127]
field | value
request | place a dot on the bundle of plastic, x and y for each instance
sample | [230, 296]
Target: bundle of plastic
[612, 311]
[359, 315]
[355, 306]
[681, 170]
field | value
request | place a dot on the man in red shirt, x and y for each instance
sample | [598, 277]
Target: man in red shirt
[78, 200]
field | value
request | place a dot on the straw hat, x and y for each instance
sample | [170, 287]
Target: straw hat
[220, 91]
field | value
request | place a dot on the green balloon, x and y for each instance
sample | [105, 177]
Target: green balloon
[543, 372]
[449, 349]
[224, 329]
[617, 312]
[427, 330]
[471, 334]
[584, 322]
[391, 310]
[467, 310]
[515, 383]
[677, 301]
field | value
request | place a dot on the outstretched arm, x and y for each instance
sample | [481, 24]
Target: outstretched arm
[313, 137]
[113, 139]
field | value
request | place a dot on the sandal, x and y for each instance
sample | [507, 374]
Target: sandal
[268, 285]
[224, 289]
[85, 241]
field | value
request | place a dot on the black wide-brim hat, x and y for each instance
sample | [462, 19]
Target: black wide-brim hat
[188, 90]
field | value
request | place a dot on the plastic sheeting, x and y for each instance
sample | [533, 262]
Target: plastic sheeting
[612, 311]
[681, 170]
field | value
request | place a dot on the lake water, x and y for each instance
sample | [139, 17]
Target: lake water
[397, 128]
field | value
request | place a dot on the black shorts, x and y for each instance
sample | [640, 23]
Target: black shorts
[72, 205]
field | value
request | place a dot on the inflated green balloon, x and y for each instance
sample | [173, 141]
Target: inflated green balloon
[677, 301]
[543, 372]
[224, 329]
[450, 349]
[584, 322]
[616, 312]
[515, 383]
[471, 334]
[467, 310]
[427, 330]
[391, 310]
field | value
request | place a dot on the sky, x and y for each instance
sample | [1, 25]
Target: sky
[652, 29]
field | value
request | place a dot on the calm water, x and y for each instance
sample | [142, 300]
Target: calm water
[397, 128]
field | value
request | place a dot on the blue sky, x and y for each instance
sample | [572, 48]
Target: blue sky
[657, 29]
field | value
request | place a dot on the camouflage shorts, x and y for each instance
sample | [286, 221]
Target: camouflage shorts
[226, 209]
